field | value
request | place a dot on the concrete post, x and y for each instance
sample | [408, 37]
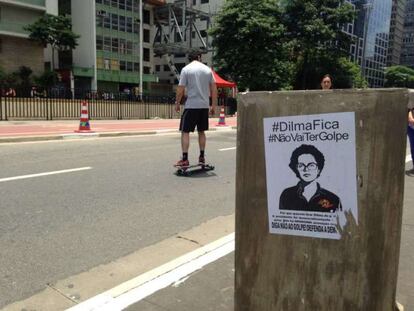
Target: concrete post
[305, 264]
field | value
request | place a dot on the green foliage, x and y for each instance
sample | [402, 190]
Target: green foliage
[53, 30]
[314, 27]
[46, 80]
[266, 47]
[24, 73]
[399, 76]
[347, 74]
[248, 40]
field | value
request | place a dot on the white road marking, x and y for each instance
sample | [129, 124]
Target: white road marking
[408, 158]
[45, 174]
[226, 149]
[132, 291]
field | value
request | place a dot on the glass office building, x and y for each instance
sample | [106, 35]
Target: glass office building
[407, 52]
[372, 28]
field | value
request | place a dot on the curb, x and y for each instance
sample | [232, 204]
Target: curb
[68, 136]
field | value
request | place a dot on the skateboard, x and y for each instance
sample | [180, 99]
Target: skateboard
[188, 170]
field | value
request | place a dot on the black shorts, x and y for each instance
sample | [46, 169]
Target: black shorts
[192, 118]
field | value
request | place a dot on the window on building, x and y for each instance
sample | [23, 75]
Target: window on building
[146, 55]
[129, 24]
[136, 67]
[122, 65]
[100, 15]
[204, 1]
[129, 47]
[136, 25]
[146, 35]
[147, 17]
[130, 66]
[99, 62]
[114, 21]
[194, 2]
[122, 23]
[107, 21]
[114, 64]
[122, 4]
[115, 45]
[107, 44]
[166, 68]
[203, 33]
[122, 46]
[107, 2]
[147, 70]
[99, 43]
[107, 64]
[114, 3]
[128, 5]
[157, 68]
[135, 48]
[136, 6]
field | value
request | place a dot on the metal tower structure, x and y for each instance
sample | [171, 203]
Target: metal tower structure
[176, 27]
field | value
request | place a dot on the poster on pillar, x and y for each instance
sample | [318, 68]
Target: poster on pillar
[311, 174]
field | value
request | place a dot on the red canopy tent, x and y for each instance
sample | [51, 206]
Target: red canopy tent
[220, 82]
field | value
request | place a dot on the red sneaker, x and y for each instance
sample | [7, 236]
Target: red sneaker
[183, 163]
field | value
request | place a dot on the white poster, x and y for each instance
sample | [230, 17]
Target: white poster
[310, 173]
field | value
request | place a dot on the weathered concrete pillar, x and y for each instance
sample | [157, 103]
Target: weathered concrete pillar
[316, 232]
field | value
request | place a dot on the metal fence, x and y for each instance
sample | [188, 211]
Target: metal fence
[102, 105]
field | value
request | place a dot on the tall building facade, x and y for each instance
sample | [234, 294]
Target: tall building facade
[372, 28]
[108, 55]
[407, 52]
[15, 47]
[396, 32]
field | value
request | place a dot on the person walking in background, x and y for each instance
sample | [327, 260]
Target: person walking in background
[197, 79]
[10, 92]
[410, 129]
[326, 82]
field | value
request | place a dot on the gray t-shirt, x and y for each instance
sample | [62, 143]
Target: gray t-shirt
[197, 77]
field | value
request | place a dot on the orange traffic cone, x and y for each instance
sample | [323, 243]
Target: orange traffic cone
[84, 126]
[222, 119]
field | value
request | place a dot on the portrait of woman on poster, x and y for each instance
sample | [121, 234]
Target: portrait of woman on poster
[307, 162]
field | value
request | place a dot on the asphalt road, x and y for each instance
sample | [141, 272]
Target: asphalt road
[55, 226]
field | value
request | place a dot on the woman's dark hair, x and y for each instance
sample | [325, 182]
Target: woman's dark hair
[327, 76]
[306, 149]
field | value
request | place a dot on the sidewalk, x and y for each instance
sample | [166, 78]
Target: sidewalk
[19, 131]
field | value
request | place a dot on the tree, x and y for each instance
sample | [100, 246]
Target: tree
[249, 45]
[399, 76]
[53, 30]
[46, 80]
[314, 27]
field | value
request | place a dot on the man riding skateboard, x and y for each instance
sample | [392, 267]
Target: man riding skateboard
[198, 80]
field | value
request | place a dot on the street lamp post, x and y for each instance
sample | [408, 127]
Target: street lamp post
[141, 50]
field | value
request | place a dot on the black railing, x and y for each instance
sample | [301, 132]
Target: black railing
[53, 104]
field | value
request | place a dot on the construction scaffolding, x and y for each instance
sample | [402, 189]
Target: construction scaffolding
[177, 30]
